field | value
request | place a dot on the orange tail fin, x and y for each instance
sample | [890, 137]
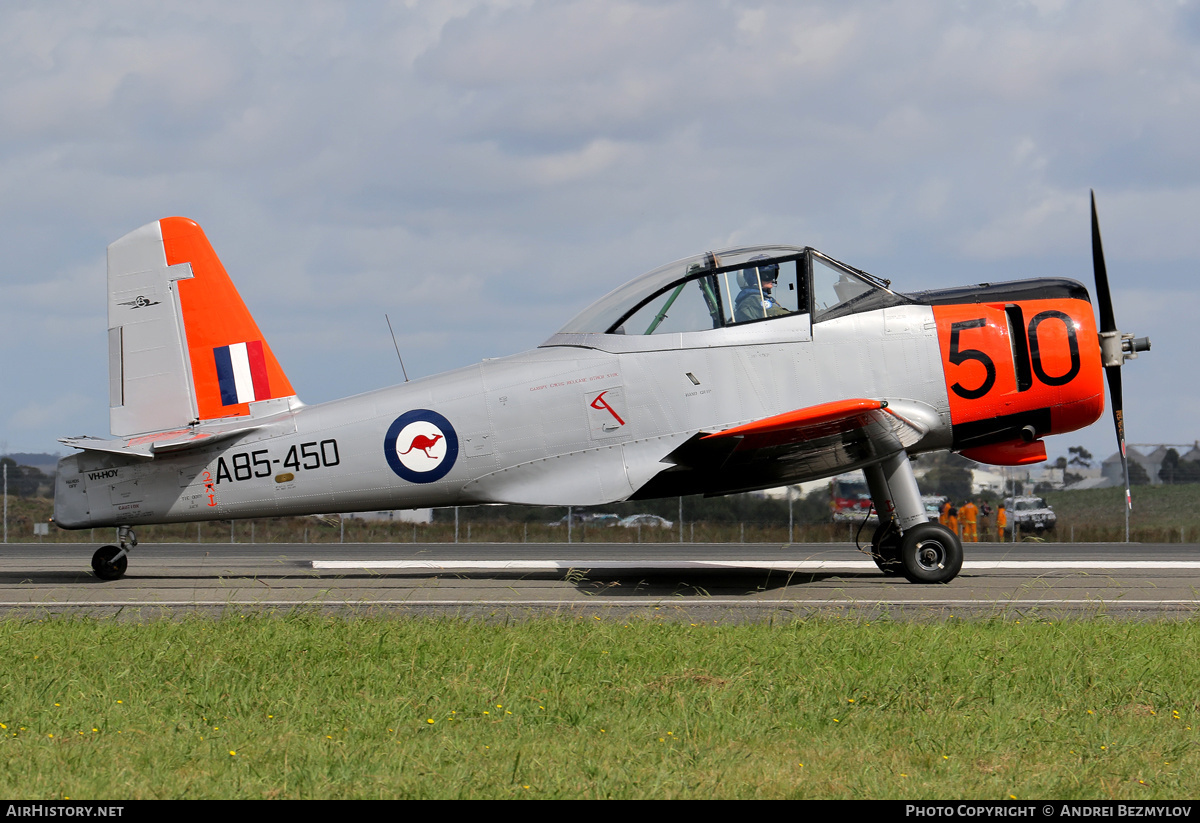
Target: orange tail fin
[183, 347]
[232, 365]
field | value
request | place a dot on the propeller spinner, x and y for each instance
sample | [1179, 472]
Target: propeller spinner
[1115, 349]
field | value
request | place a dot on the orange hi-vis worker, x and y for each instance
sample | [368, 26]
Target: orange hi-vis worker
[1001, 522]
[969, 515]
[944, 517]
[952, 520]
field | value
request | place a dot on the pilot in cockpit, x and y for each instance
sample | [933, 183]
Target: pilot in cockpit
[755, 300]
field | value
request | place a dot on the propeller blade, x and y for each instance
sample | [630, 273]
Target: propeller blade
[1113, 373]
[1103, 297]
[1108, 323]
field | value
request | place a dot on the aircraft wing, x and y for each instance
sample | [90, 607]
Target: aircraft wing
[804, 444]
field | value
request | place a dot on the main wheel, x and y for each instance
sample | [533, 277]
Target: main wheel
[930, 553]
[885, 548]
[105, 567]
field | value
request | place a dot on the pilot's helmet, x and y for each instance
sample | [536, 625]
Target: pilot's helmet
[755, 276]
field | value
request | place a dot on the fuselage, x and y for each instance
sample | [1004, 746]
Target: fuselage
[589, 417]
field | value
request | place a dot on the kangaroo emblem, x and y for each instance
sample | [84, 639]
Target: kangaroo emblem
[424, 444]
[431, 436]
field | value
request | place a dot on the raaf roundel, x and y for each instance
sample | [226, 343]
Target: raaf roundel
[729, 371]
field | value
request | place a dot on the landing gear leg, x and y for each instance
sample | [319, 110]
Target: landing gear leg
[885, 543]
[110, 562]
[885, 548]
[906, 542]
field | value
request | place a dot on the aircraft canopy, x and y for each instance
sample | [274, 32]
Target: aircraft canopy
[732, 287]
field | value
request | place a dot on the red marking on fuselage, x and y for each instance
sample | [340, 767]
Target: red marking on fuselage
[424, 444]
[208, 487]
[601, 403]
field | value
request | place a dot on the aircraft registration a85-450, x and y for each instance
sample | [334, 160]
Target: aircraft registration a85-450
[730, 371]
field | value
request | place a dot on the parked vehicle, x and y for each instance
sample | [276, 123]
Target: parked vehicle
[933, 505]
[594, 518]
[850, 499]
[651, 520]
[1030, 515]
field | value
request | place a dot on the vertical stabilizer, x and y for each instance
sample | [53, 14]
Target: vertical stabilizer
[183, 348]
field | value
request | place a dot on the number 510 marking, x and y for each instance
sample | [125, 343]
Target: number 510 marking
[958, 355]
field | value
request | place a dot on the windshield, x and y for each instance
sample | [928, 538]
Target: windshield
[837, 291]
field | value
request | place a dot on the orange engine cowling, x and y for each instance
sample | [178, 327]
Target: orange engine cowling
[1019, 370]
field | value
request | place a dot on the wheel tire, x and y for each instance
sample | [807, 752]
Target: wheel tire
[930, 553]
[885, 549]
[105, 567]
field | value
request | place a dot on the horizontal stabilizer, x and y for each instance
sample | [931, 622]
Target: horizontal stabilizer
[147, 446]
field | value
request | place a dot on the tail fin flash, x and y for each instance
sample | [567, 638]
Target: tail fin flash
[183, 347]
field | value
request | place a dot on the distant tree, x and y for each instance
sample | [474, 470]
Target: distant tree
[1068, 477]
[24, 481]
[1176, 470]
[1138, 475]
[1080, 457]
[949, 474]
[1170, 466]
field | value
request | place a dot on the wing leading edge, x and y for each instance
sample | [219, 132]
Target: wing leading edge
[803, 444]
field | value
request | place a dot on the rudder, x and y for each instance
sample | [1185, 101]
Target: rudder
[183, 347]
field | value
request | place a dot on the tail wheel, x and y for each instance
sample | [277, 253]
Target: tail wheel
[107, 565]
[930, 553]
[885, 548]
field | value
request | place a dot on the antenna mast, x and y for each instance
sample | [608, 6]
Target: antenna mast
[397, 345]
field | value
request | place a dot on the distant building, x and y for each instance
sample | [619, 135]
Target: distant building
[1192, 454]
[987, 480]
[1150, 457]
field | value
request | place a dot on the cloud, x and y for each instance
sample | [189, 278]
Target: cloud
[509, 162]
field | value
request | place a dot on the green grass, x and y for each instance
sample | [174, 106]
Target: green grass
[1161, 514]
[306, 706]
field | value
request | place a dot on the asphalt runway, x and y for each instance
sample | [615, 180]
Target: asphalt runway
[698, 582]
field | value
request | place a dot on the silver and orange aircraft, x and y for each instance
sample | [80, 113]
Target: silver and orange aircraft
[733, 370]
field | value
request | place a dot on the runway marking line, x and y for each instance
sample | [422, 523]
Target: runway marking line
[694, 565]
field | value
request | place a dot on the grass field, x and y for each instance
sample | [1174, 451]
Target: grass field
[1161, 514]
[305, 706]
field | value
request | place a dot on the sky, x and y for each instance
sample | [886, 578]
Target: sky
[480, 172]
